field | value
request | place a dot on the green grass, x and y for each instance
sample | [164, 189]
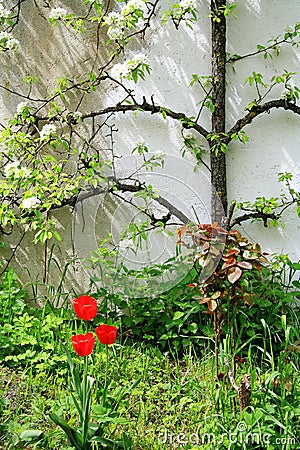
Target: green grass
[177, 403]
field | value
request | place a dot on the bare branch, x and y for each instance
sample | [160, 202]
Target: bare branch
[153, 109]
[256, 110]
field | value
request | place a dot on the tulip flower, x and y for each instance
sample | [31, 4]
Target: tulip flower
[83, 344]
[106, 334]
[85, 307]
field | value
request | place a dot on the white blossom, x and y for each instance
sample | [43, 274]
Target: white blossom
[47, 131]
[4, 12]
[188, 135]
[10, 168]
[126, 243]
[12, 43]
[115, 33]
[186, 4]
[120, 71]
[21, 106]
[77, 115]
[30, 202]
[113, 18]
[8, 41]
[4, 35]
[58, 13]
[124, 70]
[132, 6]
[24, 172]
[141, 143]
[159, 154]
[138, 4]
[140, 23]
[137, 60]
[17, 170]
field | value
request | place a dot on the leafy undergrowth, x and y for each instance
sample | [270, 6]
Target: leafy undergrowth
[177, 403]
[167, 395]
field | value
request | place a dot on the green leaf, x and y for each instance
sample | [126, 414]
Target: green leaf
[108, 442]
[178, 315]
[28, 435]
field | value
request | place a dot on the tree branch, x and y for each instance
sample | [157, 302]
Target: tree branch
[124, 187]
[254, 215]
[256, 110]
[153, 109]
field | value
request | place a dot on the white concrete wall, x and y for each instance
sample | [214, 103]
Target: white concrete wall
[274, 139]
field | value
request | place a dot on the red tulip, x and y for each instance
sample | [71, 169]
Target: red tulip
[106, 334]
[85, 307]
[83, 344]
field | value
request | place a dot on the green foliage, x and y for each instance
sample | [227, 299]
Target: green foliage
[180, 12]
[29, 335]
[266, 346]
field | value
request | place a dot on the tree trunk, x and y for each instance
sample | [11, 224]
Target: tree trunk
[217, 157]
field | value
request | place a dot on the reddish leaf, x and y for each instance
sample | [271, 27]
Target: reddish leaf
[234, 273]
[245, 265]
[234, 251]
[236, 234]
[258, 266]
[204, 300]
[229, 263]
[248, 298]
[212, 305]
[205, 247]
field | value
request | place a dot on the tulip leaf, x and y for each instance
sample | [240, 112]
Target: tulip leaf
[109, 419]
[109, 442]
[74, 372]
[73, 436]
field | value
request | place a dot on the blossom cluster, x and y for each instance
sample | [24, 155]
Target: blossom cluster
[30, 202]
[124, 70]
[160, 154]
[8, 42]
[47, 131]
[188, 4]
[130, 16]
[15, 169]
[4, 12]
[21, 106]
[126, 243]
[58, 13]
[77, 115]
[131, 6]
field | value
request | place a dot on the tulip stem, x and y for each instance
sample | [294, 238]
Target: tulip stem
[105, 379]
[85, 403]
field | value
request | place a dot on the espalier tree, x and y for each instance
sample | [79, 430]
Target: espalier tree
[50, 152]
